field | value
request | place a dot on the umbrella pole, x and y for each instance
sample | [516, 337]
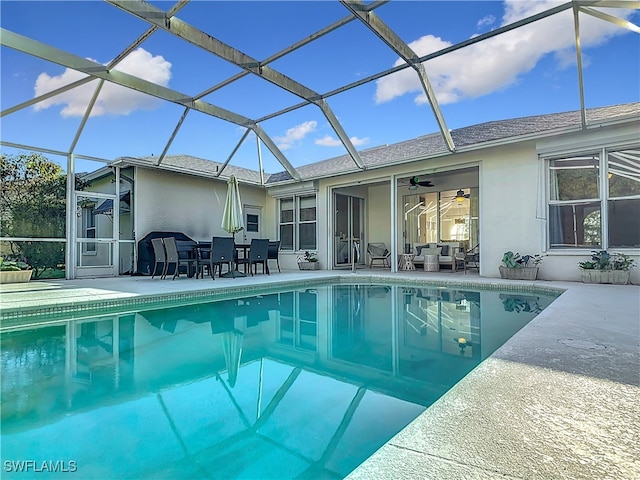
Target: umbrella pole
[234, 272]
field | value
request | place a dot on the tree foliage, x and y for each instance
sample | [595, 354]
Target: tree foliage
[33, 204]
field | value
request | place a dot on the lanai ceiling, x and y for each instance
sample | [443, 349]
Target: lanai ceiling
[211, 86]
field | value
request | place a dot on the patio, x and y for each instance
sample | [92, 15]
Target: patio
[558, 400]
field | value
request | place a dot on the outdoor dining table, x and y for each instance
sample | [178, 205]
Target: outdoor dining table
[202, 250]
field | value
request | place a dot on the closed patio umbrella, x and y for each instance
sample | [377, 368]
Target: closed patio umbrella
[232, 347]
[232, 220]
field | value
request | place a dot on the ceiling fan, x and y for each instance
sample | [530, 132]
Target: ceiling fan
[460, 195]
[415, 182]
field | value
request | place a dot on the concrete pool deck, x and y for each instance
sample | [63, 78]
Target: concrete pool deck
[559, 400]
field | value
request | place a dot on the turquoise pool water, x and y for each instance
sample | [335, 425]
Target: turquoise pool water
[303, 383]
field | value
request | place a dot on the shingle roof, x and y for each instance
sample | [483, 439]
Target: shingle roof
[418, 148]
[196, 166]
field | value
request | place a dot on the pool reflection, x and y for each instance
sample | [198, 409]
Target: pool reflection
[307, 382]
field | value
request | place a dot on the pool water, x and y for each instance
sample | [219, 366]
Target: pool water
[303, 383]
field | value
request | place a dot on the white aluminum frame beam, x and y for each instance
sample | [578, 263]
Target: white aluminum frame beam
[38, 49]
[187, 32]
[388, 36]
[439, 53]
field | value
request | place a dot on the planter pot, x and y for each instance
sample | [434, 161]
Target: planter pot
[524, 273]
[616, 277]
[309, 265]
[18, 276]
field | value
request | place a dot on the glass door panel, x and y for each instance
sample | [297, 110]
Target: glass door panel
[348, 229]
[420, 219]
[94, 232]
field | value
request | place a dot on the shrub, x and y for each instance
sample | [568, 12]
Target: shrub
[13, 265]
[603, 260]
[515, 260]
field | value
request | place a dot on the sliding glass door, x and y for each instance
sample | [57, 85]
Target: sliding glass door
[348, 230]
[446, 216]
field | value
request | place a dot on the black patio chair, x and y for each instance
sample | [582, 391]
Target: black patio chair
[258, 253]
[160, 257]
[223, 251]
[272, 253]
[173, 258]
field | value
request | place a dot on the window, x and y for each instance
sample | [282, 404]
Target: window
[89, 227]
[252, 222]
[297, 223]
[594, 200]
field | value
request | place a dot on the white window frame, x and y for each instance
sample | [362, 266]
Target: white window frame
[297, 222]
[603, 194]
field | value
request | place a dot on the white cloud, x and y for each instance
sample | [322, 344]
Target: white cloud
[113, 99]
[498, 62]
[329, 141]
[295, 134]
[486, 21]
[358, 142]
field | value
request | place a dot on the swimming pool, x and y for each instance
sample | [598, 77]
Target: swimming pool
[303, 382]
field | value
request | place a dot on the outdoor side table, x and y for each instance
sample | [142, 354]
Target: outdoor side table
[432, 263]
[406, 261]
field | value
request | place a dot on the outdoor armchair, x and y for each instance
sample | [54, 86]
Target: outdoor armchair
[378, 252]
[273, 252]
[174, 259]
[160, 257]
[223, 251]
[258, 253]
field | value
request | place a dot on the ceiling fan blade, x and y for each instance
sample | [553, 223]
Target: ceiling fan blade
[415, 181]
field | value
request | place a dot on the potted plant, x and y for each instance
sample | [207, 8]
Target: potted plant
[14, 271]
[519, 267]
[605, 267]
[308, 262]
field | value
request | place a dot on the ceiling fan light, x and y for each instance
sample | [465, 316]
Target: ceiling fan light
[460, 196]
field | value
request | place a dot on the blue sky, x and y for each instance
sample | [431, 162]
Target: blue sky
[529, 71]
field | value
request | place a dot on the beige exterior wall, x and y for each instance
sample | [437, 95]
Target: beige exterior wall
[508, 205]
[378, 214]
[167, 201]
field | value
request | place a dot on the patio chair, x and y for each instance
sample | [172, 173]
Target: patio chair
[160, 257]
[223, 251]
[472, 258]
[258, 253]
[378, 252]
[173, 258]
[203, 254]
[273, 252]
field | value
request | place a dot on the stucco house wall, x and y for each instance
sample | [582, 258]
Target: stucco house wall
[509, 199]
[168, 201]
[378, 215]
